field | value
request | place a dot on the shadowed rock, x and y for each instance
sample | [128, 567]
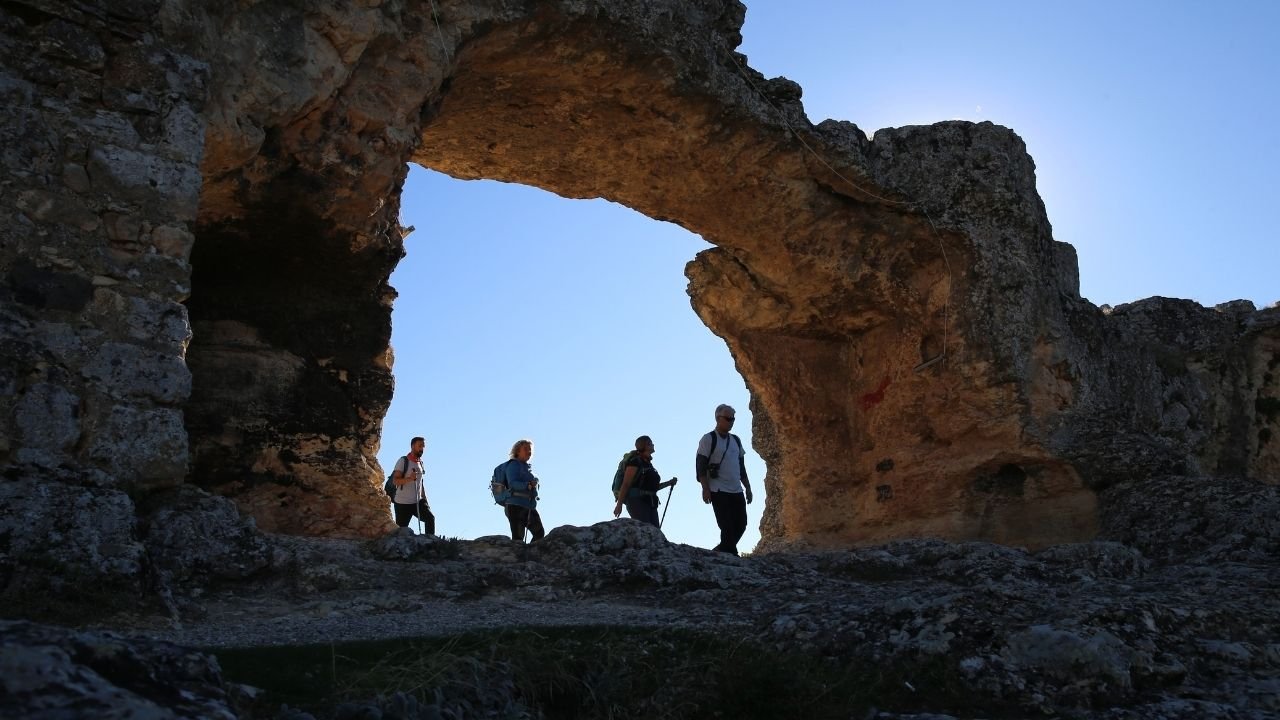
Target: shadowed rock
[50, 673]
[1077, 630]
[205, 214]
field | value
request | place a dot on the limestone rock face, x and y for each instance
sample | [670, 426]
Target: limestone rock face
[102, 140]
[202, 216]
[52, 672]
[1167, 609]
[217, 544]
[66, 549]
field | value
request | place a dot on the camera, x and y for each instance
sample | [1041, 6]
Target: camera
[713, 470]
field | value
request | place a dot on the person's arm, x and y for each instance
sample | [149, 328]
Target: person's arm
[668, 483]
[397, 475]
[533, 482]
[628, 477]
[742, 469]
[518, 473]
[700, 464]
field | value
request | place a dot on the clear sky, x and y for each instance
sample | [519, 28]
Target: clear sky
[523, 314]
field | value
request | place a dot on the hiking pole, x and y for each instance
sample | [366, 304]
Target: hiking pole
[422, 495]
[670, 490]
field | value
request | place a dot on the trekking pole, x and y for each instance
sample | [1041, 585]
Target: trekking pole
[422, 495]
[670, 490]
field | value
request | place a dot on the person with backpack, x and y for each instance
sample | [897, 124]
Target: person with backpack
[516, 487]
[410, 499]
[722, 470]
[639, 483]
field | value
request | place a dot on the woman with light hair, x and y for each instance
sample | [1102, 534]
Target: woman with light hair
[521, 497]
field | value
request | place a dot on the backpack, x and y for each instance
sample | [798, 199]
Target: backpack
[715, 438]
[389, 487]
[621, 471]
[498, 485]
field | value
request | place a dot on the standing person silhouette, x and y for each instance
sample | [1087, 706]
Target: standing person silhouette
[411, 490]
[722, 471]
[640, 485]
[522, 503]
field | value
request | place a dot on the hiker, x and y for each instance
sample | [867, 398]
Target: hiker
[411, 492]
[722, 471]
[640, 484]
[521, 500]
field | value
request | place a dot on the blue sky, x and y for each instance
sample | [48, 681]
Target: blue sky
[523, 314]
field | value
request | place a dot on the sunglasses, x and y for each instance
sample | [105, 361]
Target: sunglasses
[724, 417]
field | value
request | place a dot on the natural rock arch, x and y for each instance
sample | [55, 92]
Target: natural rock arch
[919, 358]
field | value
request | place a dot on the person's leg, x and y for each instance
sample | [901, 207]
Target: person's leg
[738, 520]
[404, 513]
[642, 509]
[427, 517]
[535, 525]
[517, 518]
[719, 505]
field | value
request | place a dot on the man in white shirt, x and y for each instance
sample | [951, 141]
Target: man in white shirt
[411, 492]
[722, 471]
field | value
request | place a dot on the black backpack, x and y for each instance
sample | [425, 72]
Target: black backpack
[389, 487]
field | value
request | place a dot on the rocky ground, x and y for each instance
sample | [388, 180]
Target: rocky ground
[1175, 615]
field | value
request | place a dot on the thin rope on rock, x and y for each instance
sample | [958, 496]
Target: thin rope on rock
[435, 15]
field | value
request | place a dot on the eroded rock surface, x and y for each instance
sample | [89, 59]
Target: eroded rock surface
[203, 205]
[201, 216]
[1113, 628]
[66, 549]
[53, 673]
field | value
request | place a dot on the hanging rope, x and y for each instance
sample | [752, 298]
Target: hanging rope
[435, 15]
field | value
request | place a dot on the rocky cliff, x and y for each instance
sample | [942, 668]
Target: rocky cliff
[202, 208]
[1171, 616]
[200, 216]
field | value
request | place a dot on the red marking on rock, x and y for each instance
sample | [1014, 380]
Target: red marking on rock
[872, 399]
